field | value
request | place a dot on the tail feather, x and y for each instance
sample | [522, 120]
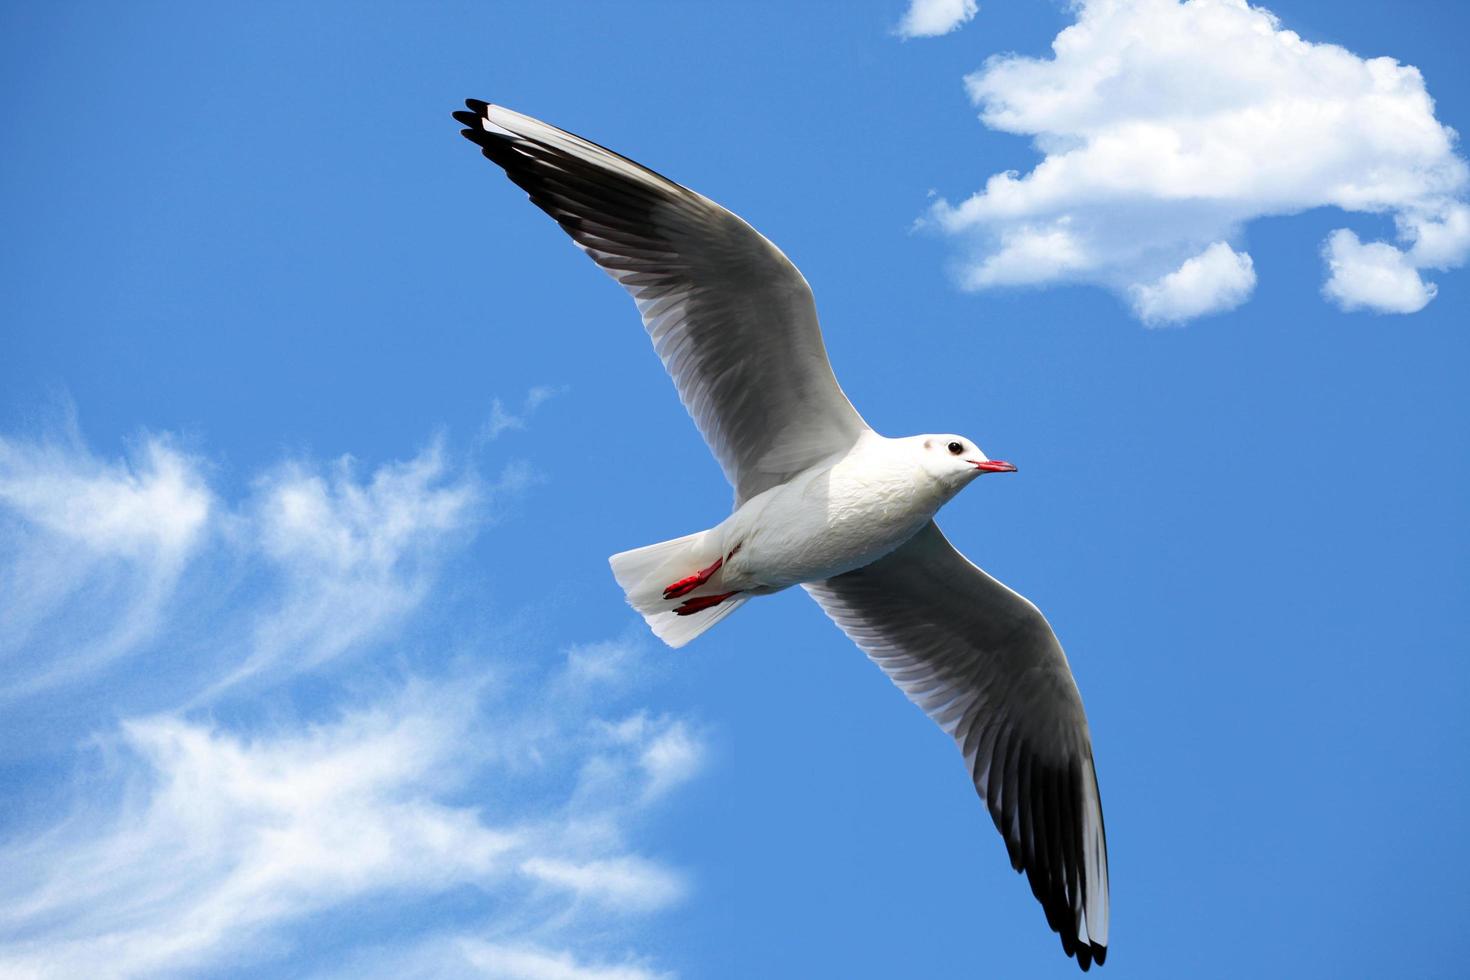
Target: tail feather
[644, 573]
[676, 630]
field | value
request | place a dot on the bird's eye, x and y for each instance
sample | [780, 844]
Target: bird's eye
[956, 448]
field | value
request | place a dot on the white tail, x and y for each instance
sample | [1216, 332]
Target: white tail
[644, 573]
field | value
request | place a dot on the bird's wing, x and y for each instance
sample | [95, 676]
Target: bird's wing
[731, 317]
[984, 664]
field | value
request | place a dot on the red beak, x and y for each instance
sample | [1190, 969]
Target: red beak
[993, 466]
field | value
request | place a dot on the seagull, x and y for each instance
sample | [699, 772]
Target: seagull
[824, 502]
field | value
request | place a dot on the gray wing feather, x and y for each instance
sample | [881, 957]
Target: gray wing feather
[984, 664]
[732, 319]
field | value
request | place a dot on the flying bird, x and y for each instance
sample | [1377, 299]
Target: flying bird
[824, 502]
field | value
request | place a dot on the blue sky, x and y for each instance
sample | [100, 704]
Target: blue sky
[315, 436]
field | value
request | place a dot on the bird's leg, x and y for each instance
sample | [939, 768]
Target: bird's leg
[687, 585]
[700, 603]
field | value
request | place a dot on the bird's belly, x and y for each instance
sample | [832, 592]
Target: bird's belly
[808, 537]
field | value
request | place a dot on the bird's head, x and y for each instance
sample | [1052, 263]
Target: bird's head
[954, 460]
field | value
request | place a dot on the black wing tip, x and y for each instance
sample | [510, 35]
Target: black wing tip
[1087, 953]
[474, 131]
[478, 112]
[1059, 917]
[481, 138]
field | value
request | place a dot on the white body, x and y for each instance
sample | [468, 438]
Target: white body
[830, 519]
[840, 514]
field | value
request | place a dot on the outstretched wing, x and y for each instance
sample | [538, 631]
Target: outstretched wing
[984, 664]
[731, 317]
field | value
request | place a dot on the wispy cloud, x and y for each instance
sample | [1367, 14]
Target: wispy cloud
[624, 883]
[222, 837]
[314, 561]
[667, 751]
[503, 420]
[91, 550]
[524, 963]
[351, 557]
[1166, 127]
[453, 956]
[930, 18]
[210, 831]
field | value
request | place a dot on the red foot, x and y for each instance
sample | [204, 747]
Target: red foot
[700, 603]
[687, 585]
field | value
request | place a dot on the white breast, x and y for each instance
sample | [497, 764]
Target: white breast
[830, 519]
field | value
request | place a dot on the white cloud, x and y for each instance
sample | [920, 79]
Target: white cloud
[505, 962]
[1440, 242]
[930, 18]
[318, 560]
[222, 841]
[352, 556]
[601, 664]
[664, 748]
[503, 420]
[200, 837]
[1375, 276]
[91, 551]
[671, 758]
[1167, 126]
[456, 956]
[232, 835]
[151, 508]
[1026, 255]
[1217, 279]
[624, 883]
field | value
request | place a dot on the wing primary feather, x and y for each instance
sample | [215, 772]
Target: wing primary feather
[1072, 829]
[984, 664]
[731, 317]
[1031, 844]
[1011, 802]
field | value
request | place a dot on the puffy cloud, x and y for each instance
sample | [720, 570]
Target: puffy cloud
[930, 18]
[1217, 279]
[1167, 126]
[1440, 242]
[1027, 254]
[1375, 276]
